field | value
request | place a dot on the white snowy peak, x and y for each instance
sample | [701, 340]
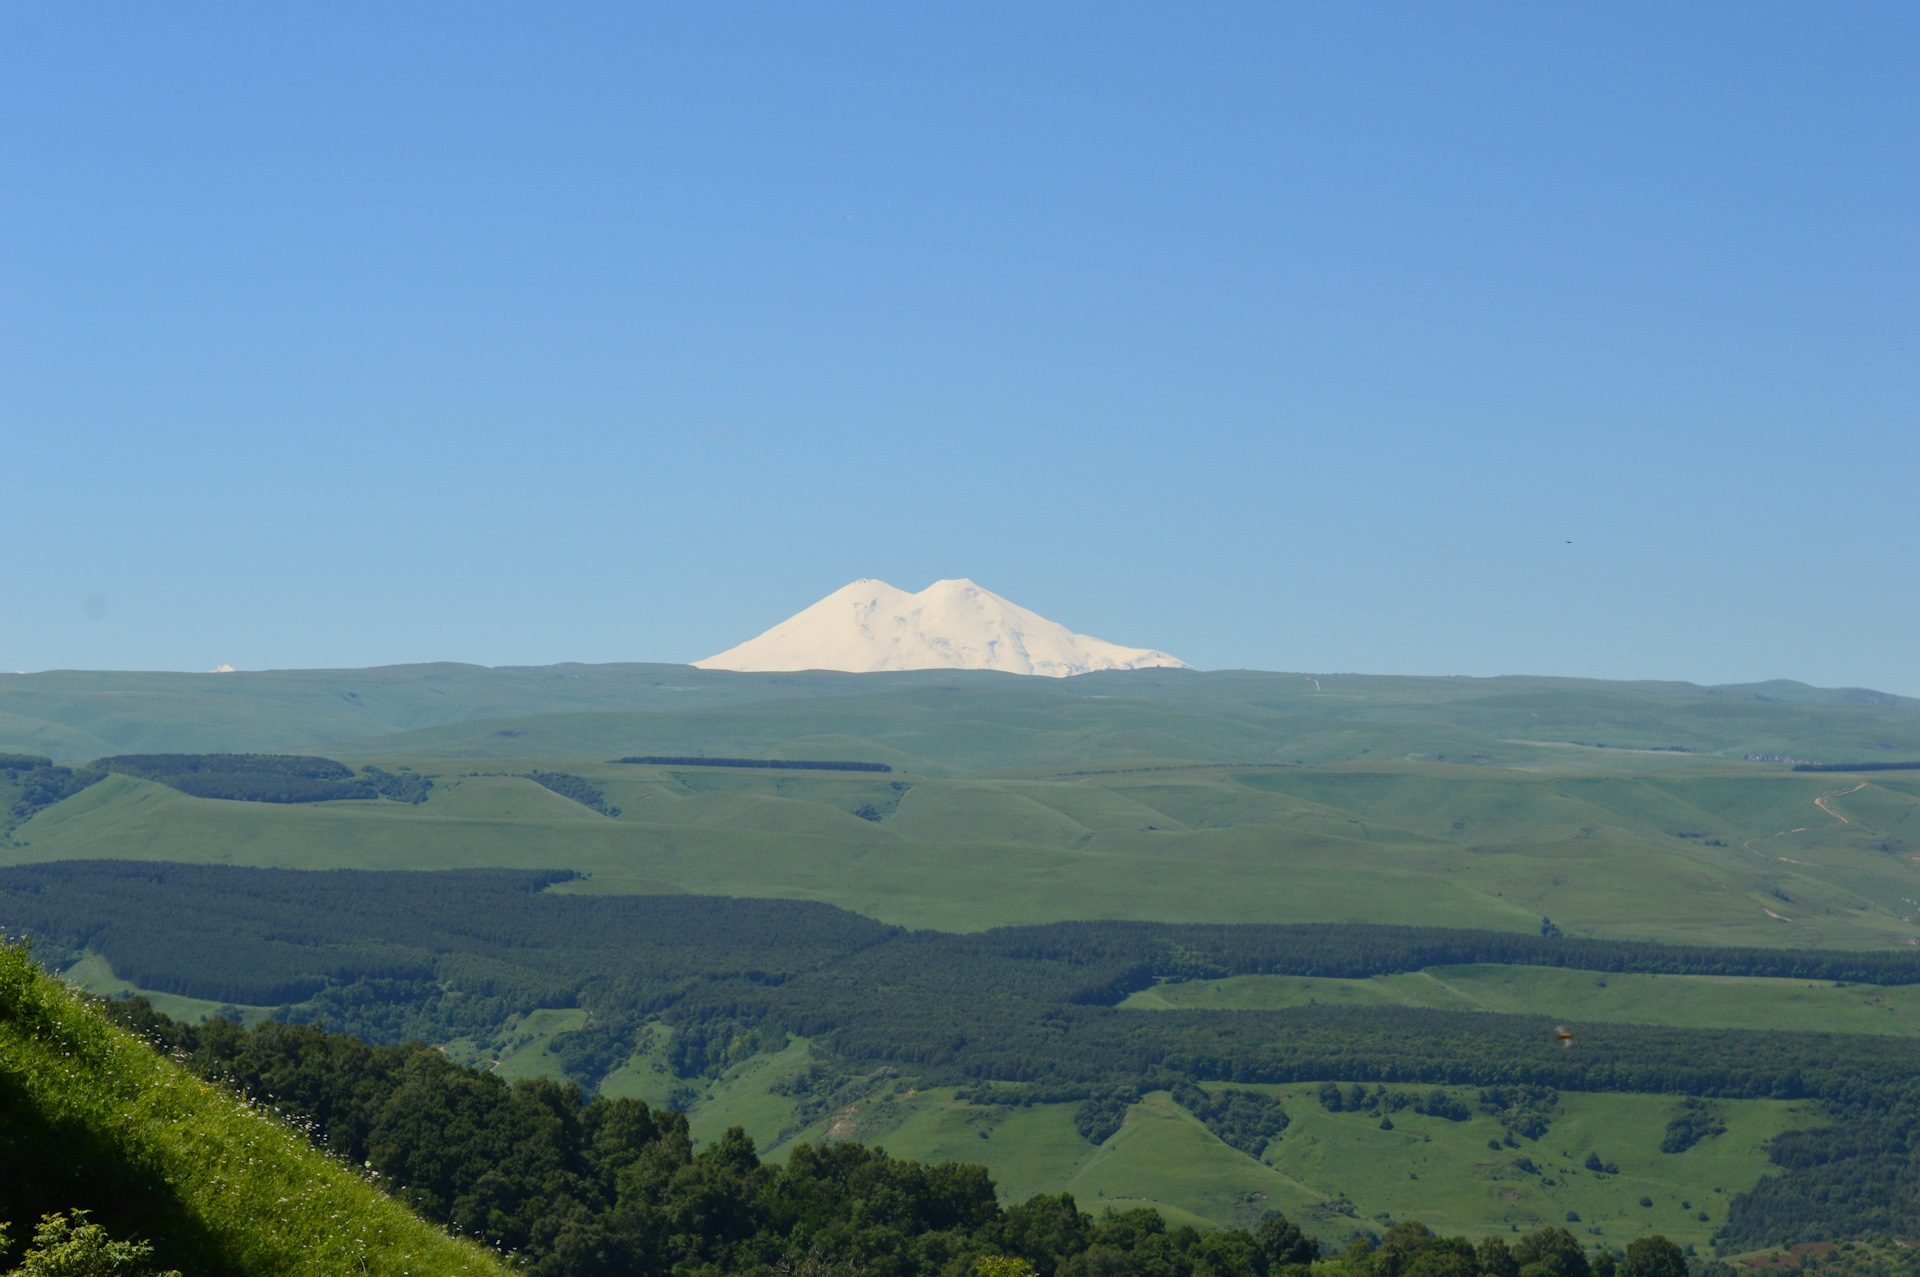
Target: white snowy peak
[955, 625]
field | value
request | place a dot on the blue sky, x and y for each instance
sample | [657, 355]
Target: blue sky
[1285, 337]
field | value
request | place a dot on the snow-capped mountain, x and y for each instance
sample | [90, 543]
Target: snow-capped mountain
[870, 625]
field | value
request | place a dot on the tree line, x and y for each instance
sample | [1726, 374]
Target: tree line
[788, 764]
[257, 778]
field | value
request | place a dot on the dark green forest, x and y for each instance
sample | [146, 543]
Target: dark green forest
[253, 778]
[1018, 1014]
[777, 764]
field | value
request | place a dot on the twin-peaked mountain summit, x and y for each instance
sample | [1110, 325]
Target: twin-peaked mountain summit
[870, 625]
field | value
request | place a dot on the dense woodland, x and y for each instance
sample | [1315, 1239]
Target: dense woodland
[583, 1188]
[253, 778]
[1018, 1014]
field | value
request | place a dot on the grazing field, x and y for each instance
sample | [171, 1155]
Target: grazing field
[1670, 849]
[1716, 1002]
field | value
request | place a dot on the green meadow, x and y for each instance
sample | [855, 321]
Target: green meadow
[1708, 1002]
[1668, 848]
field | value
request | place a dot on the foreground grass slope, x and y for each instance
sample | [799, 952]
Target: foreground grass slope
[92, 1118]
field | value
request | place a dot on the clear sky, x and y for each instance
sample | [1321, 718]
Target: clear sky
[1556, 339]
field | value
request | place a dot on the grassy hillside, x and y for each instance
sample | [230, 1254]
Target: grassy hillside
[1657, 846]
[1335, 1173]
[94, 1119]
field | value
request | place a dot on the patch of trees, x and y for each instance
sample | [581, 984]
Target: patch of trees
[1523, 1110]
[578, 788]
[42, 783]
[255, 778]
[1099, 1116]
[251, 778]
[1356, 1098]
[598, 1047]
[403, 786]
[791, 764]
[1857, 1177]
[1245, 1120]
[1694, 1120]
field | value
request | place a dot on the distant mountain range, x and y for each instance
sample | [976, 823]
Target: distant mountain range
[870, 626]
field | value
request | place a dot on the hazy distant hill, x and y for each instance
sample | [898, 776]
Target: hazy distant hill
[988, 718]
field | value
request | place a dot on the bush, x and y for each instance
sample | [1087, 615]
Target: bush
[79, 1249]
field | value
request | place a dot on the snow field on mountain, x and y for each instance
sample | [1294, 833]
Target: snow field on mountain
[870, 625]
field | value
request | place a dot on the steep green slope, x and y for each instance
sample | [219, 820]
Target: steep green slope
[91, 1118]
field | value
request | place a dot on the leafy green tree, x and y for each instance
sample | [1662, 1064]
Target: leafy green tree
[1002, 1266]
[1046, 1230]
[1653, 1256]
[1551, 1252]
[1495, 1258]
[1444, 1257]
[1283, 1244]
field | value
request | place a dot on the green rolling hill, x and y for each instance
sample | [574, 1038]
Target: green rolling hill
[1660, 846]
